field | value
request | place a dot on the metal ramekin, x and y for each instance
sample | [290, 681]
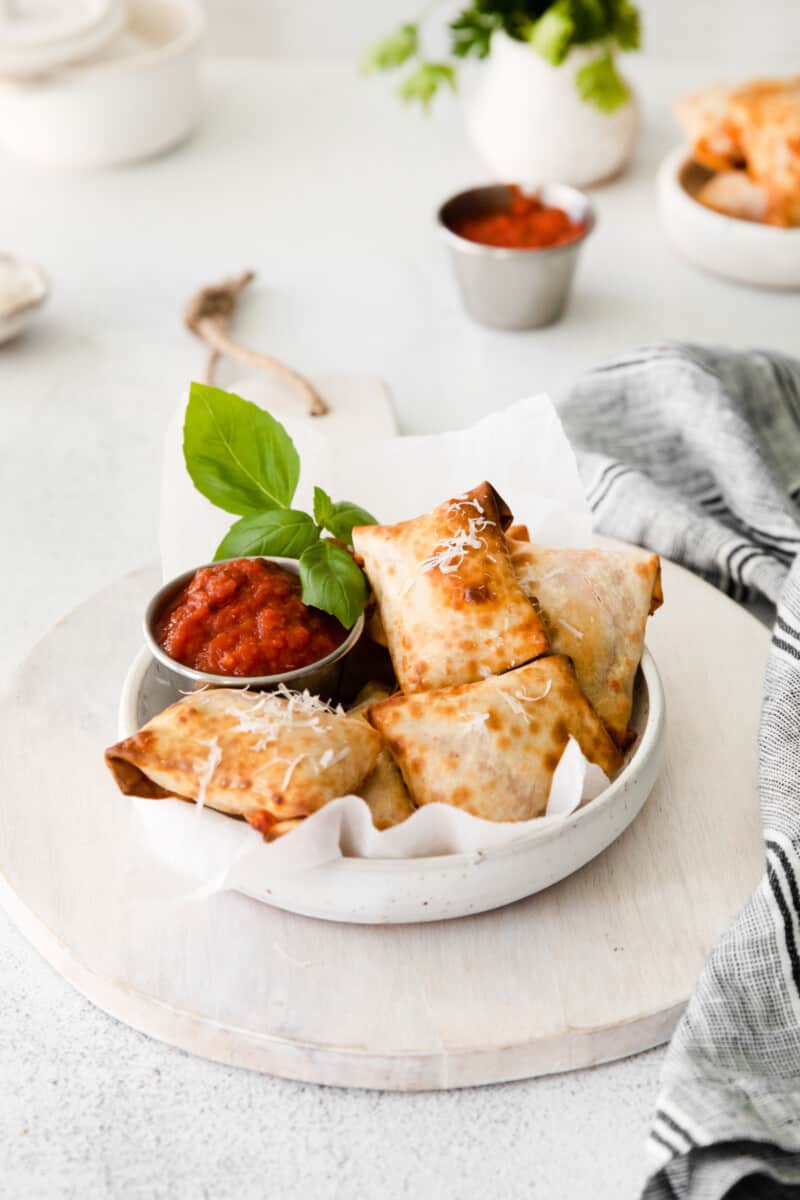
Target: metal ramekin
[320, 677]
[514, 289]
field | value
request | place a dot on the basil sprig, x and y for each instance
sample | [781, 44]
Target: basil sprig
[243, 461]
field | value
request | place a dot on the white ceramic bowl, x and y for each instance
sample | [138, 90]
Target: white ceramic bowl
[136, 98]
[745, 251]
[28, 290]
[397, 891]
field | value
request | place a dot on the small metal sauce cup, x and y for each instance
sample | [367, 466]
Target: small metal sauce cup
[321, 677]
[514, 289]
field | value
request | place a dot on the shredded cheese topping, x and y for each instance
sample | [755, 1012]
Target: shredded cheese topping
[212, 762]
[578, 633]
[516, 700]
[272, 712]
[449, 553]
[330, 756]
[290, 770]
[475, 724]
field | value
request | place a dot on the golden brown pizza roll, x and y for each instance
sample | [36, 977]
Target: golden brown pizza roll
[384, 789]
[756, 126]
[594, 605]
[491, 748]
[262, 756]
[735, 194]
[705, 117]
[451, 606]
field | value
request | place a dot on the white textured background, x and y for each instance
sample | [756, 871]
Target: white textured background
[733, 31]
[90, 1109]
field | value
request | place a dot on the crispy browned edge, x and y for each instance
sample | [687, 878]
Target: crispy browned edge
[130, 780]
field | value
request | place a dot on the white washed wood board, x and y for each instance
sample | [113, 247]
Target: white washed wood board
[595, 968]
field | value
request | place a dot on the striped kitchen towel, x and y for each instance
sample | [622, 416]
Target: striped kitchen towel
[695, 453]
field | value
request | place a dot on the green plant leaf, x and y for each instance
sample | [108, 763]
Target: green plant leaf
[423, 84]
[553, 34]
[392, 51]
[592, 19]
[333, 582]
[600, 83]
[323, 507]
[284, 532]
[626, 26]
[471, 32]
[339, 519]
[238, 456]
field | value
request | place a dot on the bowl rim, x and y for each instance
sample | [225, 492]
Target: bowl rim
[669, 179]
[194, 28]
[174, 585]
[649, 745]
[466, 245]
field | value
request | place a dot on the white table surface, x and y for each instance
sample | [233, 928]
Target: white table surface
[324, 185]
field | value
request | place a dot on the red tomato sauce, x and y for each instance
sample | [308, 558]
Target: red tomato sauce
[246, 618]
[526, 224]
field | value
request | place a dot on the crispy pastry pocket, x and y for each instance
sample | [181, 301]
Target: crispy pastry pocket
[595, 605]
[269, 758]
[450, 604]
[491, 748]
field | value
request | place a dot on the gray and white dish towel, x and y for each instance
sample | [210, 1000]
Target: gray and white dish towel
[695, 453]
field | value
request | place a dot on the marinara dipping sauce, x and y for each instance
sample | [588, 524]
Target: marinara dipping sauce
[526, 224]
[245, 617]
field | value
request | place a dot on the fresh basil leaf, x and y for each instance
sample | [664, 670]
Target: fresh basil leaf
[600, 83]
[345, 517]
[423, 84]
[392, 50]
[237, 455]
[281, 532]
[339, 519]
[332, 581]
[323, 507]
[553, 34]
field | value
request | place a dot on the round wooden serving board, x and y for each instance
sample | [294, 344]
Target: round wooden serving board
[595, 968]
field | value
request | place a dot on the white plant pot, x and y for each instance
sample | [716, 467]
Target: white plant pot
[530, 126]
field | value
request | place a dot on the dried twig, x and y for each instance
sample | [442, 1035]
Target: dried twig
[209, 313]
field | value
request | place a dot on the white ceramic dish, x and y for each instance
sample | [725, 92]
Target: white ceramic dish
[44, 37]
[23, 290]
[396, 891]
[136, 98]
[745, 251]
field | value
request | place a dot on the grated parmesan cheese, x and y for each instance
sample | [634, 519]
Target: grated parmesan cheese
[212, 762]
[463, 500]
[572, 629]
[330, 756]
[272, 712]
[290, 770]
[526, 699]
[475, 724]
[450, 552]
[513, 703]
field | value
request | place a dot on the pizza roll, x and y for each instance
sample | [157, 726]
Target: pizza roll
[266, 757]
[594, 605]
[451, 607]
[491, 748]
[384, 789]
